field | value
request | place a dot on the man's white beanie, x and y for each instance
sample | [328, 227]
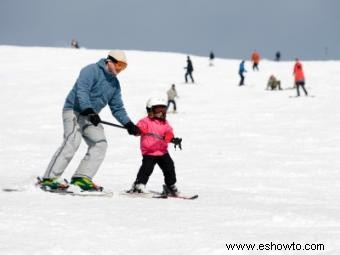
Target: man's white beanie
[118, 55]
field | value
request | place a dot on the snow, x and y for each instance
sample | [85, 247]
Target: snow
[266, 166]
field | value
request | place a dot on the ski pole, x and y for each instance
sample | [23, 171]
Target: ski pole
[112, 124]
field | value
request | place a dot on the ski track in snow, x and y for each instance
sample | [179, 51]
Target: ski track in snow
[266, 167]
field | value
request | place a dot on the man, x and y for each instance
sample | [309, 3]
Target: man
[189, 71]
[172, 94]
[96, 87]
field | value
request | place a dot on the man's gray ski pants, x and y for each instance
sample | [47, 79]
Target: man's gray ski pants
[77, 127]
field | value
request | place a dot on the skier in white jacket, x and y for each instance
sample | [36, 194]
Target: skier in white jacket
[172, 94]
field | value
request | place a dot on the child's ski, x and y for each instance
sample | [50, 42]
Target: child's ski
[188, 197]
[179, 196]
[158, 194]
[136, 194]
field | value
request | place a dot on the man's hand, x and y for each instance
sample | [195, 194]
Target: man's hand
[132, 128]
[92, 116]
[94, 119]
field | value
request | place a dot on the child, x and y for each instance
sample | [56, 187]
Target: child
[156, 133]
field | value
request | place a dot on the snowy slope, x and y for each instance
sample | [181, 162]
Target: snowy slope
[266, 166]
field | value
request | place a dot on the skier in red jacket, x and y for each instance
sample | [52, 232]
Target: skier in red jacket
[299, 77]
[255, 58]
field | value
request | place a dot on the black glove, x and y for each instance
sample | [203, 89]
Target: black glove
[132, 128]
[177, 141]
[92, 116]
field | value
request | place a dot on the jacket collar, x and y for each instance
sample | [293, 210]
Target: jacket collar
[102, 65]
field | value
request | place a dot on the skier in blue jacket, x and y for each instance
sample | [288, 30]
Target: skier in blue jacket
[241, 70]
[96, 87]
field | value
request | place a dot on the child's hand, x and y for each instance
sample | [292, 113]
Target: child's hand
[177, 141]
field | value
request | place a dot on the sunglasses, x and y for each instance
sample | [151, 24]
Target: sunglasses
[159, 109]
[120, 65]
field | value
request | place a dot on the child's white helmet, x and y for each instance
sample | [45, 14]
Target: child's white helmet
[154, 101]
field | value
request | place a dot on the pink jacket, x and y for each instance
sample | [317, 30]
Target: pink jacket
[155, 136]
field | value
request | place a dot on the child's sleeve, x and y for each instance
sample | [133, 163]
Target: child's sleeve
[143, 127]
[169, 134]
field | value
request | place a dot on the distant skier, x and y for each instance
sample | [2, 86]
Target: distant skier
[156, 133]
[211, 58]
[96, 87]
[189, 71]
[273, 83]
[172, 94]
[255, 58]
[299, 77]
[241, 72]
[75, 44]
[277, 56]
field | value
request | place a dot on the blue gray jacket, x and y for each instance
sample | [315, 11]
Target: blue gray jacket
[95, 88]
[242, 69]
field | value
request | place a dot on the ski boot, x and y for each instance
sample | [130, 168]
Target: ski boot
[49, 184]
[137, 188]
[85, 184]
[170, 190]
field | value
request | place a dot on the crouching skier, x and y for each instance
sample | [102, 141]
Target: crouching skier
[156, 133]
[96, 87]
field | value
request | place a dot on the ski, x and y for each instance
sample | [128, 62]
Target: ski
[102, 193]
[12, 190]
[71, 190]
[301, 96]
[186, 197]
[158, 194]
[178, 196]
[76, 191]
[127, 193]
